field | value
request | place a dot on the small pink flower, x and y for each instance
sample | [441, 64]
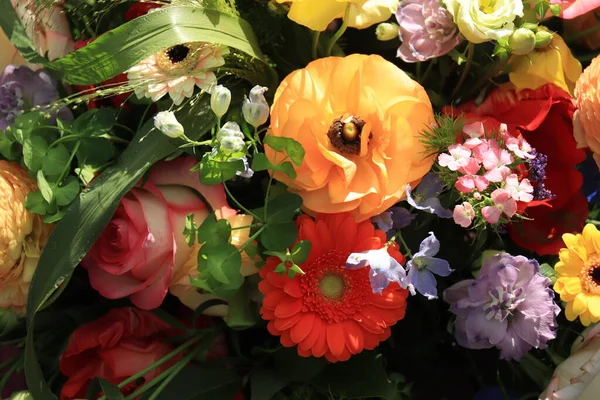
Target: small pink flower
[467, 183]
[504, 204]
[463, 214]
[495, 161]
[520, 191]
[459, 157]
[520, 147]
[472, 167]
[491, 214]
[474, 131]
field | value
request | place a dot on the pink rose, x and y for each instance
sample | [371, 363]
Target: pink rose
[574, 8]
[143, 246]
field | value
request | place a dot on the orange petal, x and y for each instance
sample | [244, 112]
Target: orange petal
[288, 307]
[320, 347]
[287, 323]
[286, 340]
[301, 330]
[311, 339]
[388, 300]
[273, 298]
[335, 338]
[292, 287]
[354, 337]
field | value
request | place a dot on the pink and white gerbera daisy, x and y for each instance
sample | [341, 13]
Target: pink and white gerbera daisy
[177, 71]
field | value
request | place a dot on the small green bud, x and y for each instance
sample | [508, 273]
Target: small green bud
[555, 9]
[530, 26]
[522, 41]
[386, 31]
[543, 39]
[231, 144]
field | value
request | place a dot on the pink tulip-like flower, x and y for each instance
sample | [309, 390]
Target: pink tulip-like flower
[459, 157]
[143, 246]
[520, 191]
[48, 27]
[520, 147]
[504, 203]
[574, 8]
[463, 214]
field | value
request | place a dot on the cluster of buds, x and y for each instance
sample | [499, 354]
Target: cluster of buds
[491, 175]
[527, 38]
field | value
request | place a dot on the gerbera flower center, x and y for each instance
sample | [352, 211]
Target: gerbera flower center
[179, 58]
[590, 275]
[332, 286]
[178, 53]
[344, 134]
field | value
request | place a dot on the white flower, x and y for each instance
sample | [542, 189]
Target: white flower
[484, 20]
[220, 98]
[177, 71]
[166, 122]
[256, 109]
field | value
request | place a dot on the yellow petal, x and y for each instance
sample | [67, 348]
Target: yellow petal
[591, 239]
[569, 313]
[585, 318]
[576, 245]
[580, 304]
[594, 305]
[564, 268]
[316, 14]
[571, 285]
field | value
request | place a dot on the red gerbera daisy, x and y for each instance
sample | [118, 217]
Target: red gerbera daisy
[331, 311]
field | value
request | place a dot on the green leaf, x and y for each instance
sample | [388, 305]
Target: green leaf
[94, 151]
[260, 162]
[288, 169]
[8, 148]
[241, 313]
[99, 385]
[221, 261]
[34, 203]
[279, 236]
[301, 251]
[95, 122]
[214, 231]
[283, 207]
[67, 192]
[290, 367]
[56, 160]
[190, 230]
[549, 272]
[34, 152]
[15, 31]
[44, 187]
[213, 172]
[363, 376]
[292, 148]
[87, 217]
[201, 382]
[123, 47]
[264, 384]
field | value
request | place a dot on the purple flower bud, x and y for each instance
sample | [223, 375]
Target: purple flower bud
[427, 30]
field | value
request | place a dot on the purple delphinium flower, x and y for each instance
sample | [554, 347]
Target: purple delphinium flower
[384, 268]
[537, 176]
[21, 89]
[427, 30]
[425, 196]
[509, 306]
[423, 265]
[394, 218]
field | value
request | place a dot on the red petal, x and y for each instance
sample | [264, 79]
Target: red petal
[313, 335]
[286, 323]
[354, 337]
[302, 328]
[292, 287]
[335, 338]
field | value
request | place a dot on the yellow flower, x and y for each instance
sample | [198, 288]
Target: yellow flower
[317, 14]
[22, 237]
[552, 64]
[578, 273]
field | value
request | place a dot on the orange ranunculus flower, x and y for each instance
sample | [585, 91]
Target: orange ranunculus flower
[586, 121]
[360, 120]
[553, 64]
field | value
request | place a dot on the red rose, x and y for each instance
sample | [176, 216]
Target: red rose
[544, 117]
[139, 9]
[143, 251]
[115, 347]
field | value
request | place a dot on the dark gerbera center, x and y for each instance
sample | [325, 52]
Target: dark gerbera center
[178, 53]
[590, 274]
[344, 134]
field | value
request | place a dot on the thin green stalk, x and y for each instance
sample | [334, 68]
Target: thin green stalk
[338, 34]
[246, 226]
[571, 39]
[128, 129]
[11, 371]
[315, 44]
[408, 252]
[237, 203]
[428, 70]
[268, 191]
[465, 73]
[143, 117]
[68, 165]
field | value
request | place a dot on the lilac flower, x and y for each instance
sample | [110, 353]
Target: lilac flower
[21, 89]
[537, 173]
[427, 30]
[509, 306]
[423, 265]
[394, 218]
[384, 268]
[425, 197]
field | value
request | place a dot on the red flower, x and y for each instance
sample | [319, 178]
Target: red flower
[544, 117]
[331, 310]
[139, 9]
[115, 347]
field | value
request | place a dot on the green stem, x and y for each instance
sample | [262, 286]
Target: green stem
[338, 34]
[408, 252]
[237, 203]
[143, 117]
[428, 70]
[128, 129]
[315, 44]
[68, 165]
[571, 39]
[246, 226]
[8, 373]
[465, 73]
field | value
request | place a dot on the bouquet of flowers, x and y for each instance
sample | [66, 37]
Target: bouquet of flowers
[299, 199]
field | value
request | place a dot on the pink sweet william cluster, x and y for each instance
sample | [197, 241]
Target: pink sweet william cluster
[490, 173]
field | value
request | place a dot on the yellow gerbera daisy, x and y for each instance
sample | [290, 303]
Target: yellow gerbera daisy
[578, 273]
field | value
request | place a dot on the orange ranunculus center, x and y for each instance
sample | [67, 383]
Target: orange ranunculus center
[590, 275]
[344, 134]
[332, 291]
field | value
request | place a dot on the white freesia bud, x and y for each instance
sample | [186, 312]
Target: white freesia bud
[231, 144]
[230, 129]
[387, 31]
[220, 99]
[256, 109]
[166, 122]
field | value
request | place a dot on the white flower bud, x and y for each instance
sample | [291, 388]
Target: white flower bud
[522, 41]
[231, 144]
[220, 98]
[387, 31]
[166, 122]
[256, 109]
[230, 129]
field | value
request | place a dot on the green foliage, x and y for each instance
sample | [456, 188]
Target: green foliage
[214, 171]
[443, 134]
[549, 272]
[16, 32]
[289, 147]
[99, 385]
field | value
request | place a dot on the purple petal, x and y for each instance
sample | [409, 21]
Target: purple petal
[429, 247]
[477, 325]
[438, 266]
[379, 281]
[423, 281]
